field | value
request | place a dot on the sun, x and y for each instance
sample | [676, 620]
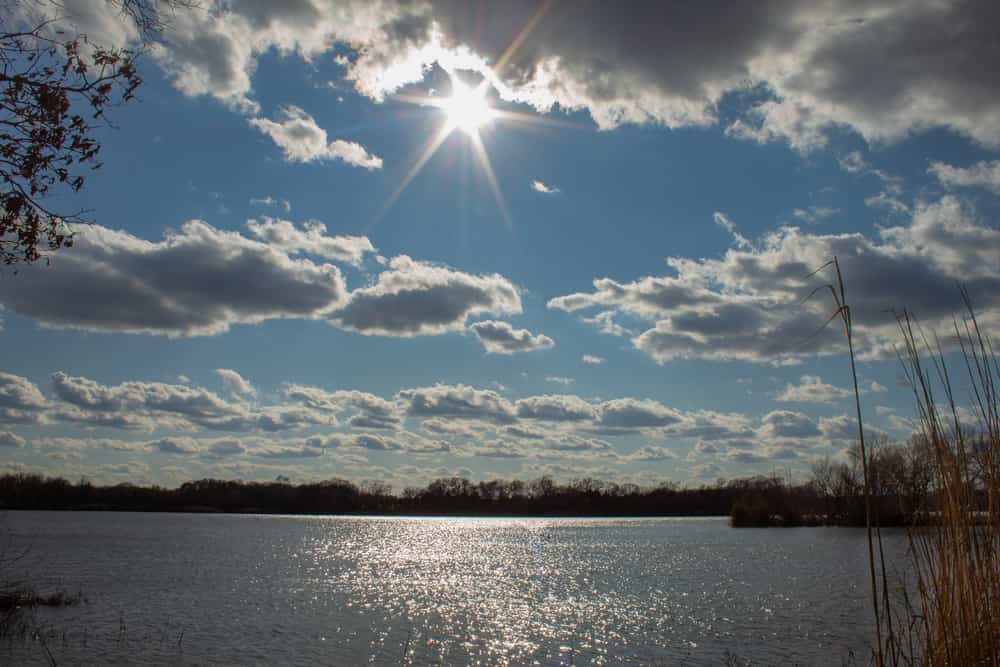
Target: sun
[467, 109]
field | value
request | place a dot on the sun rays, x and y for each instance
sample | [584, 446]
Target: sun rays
[468, 109]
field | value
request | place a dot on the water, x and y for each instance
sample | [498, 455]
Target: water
[222, 589]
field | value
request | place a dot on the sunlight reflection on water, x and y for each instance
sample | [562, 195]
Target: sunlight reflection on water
[452, 591]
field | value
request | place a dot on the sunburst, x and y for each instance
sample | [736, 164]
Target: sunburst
[469, 110]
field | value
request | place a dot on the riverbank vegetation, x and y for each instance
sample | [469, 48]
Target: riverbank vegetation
[954, 619]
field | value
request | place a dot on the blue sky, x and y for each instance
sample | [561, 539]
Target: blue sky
[253, 301]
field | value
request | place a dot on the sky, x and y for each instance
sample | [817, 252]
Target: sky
[404, 240]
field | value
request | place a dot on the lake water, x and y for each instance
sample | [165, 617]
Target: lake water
[223, 589]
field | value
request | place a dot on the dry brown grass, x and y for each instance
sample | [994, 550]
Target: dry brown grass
[957, 559]
[954, 619]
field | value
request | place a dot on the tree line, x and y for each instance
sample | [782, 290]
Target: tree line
[450, 495]
[902, 481]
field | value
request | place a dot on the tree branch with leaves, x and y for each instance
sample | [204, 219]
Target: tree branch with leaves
[55, 91]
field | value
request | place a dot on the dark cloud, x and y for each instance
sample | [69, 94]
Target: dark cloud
[633, 413]
[785, 424]
[458, 402]
[555, 408]
[751, 304]
[198, 281]
[884, 69]
[178, 446]
[414, 298]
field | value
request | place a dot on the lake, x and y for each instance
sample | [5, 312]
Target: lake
[256, 589]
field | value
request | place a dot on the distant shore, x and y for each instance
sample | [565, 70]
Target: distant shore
[752, 502]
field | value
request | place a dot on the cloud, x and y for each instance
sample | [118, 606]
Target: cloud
[311, 239]
[650, 453]
[538, 186]
[853, 162]
[176, 446]
[724, 221]
[633, 413]
[452, 428]
[11, 440]
[883, 69]
[369, 411]
[524, 432]
[812, 389]
[414, 298]
[502, 338]
[198, 281]
[786, 424]
[980, 175]
[150, 406]
[458, 402]
[557, 379]
[888, 202]
[235, 383]
[288, 452]
[196, 405]
[20, 400]
[555, 408]
[592, 360]
[814, 214]
[271, 201]
[226, 448]
[751, 304]
[302, 140]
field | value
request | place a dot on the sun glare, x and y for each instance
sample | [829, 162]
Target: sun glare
[467, 108]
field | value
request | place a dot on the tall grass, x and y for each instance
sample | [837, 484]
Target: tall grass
[957, 558]
[955, 617]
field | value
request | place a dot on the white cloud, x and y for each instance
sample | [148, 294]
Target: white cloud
[558, 379]
[312, 239]
[887, 201]
[724, 221]
[271, 201]
[853, 162]
[502, 338]
[814, 214]
[982, 175]
[538, 186]
[651, 453]
[368, 410]
[812, 389]
[592, 359]
[302, 140]
[235, 382]
[20, 400]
